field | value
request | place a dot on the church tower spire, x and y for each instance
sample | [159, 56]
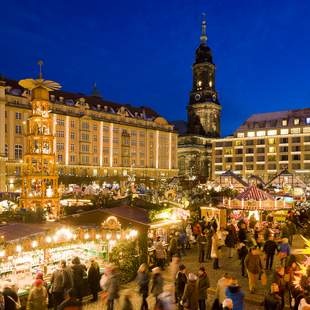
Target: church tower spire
[204, 107]
[203, 37]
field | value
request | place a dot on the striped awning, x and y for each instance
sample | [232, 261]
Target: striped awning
[254, 193]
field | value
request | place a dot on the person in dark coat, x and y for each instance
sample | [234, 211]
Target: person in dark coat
[234, 292]
[209, 242]
[231, 239]
[203, 285]
[180, 283]
[190, 296]
[157, 283]
[242, 233]
[113, 286]
[143, 283]
[202, 241]
[78, 274]
[270, 248]
[57, 285]
[70, 302]
[10, 297]
[273, 300]
[278, 278]
[242, 252]
[93, 279]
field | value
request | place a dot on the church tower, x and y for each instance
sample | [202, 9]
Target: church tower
[204, 108]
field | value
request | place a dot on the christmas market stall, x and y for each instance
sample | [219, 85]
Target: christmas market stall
[231, 180]
[287, 184]
[254, 202]
[26, 249]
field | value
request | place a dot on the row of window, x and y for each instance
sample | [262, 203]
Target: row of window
[295, 166]
[269, 158]
[268, 141]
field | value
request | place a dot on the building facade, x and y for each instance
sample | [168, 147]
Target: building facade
[266, 144]
[93, 137]
[195, 147]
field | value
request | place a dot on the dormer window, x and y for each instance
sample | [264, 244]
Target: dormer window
[308, 120]
[284, 122]
[296, 121]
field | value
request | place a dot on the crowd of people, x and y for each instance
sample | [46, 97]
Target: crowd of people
[65, 290]
[264, 249]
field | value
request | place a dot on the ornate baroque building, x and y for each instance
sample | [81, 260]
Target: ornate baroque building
[195, 147]
[93, 137]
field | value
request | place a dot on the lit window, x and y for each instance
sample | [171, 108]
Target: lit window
[18, 151]
[296, 121]
[18, 129]
[251, 134]
[306, 129]
[60, 122]
[284, 131]
[271, 132]
[261, 133]
[284, 122]
[271, 149]
[295, 130]
[238, 143]
[240, 134]
[271, 141]
[308, 120]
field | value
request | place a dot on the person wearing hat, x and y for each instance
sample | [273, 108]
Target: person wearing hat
[157, 283]
[190, 296]
[37, 298]
[180, 283]
[234, 292]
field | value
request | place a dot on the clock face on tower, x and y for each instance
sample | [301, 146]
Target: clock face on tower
[197, 97]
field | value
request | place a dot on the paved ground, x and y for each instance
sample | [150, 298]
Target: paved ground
[230, 265]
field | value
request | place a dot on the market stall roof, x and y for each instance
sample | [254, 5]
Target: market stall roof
[133, 214]
[235, 177]
[255, 179]
[254, 193]
[291, 179]
[16, 231]
[97, 217]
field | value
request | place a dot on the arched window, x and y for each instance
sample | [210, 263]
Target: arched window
[18, 151]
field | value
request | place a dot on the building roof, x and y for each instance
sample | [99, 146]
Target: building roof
[94, 102]
[14, 231]
[97, 217]
[274, 119]
[254, 193]
[294, 180]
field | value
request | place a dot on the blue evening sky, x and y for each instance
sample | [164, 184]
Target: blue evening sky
[140, 52]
